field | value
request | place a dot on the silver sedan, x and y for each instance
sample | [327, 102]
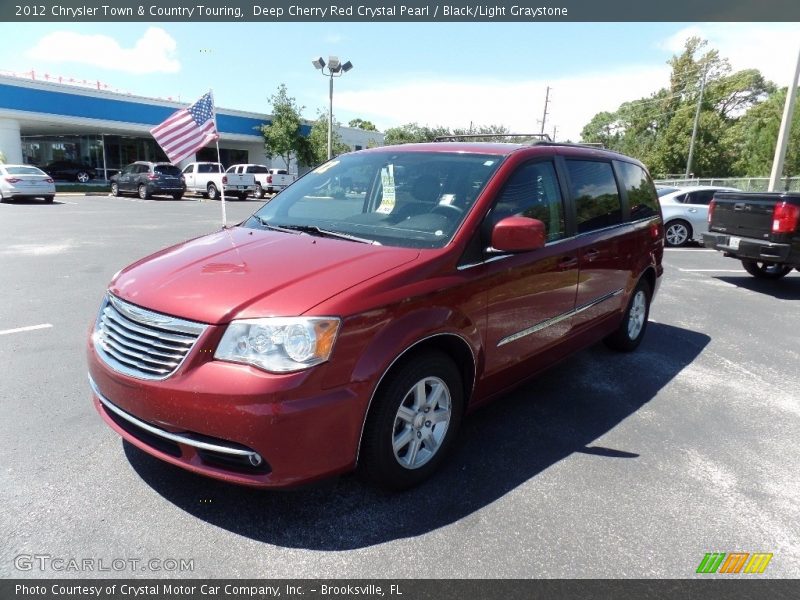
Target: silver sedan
[25, 181]
[685, 213]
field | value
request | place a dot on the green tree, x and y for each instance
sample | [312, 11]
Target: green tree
[362, 124]
[282, 136]
[413, 133]
[2, 158]
[658, 129]
[318, 140]
[755, 135]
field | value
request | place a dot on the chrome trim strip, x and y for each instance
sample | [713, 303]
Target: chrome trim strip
[557, 319]
[174, 437]
[154, 319]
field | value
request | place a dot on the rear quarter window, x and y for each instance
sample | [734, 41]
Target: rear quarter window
[642, 196]
[594, 191]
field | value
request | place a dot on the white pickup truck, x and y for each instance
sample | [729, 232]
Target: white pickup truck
[267, 180]
[208, 179]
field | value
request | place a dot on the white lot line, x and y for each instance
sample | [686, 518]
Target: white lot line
[689, 249]
[28, 328]
[712, 270]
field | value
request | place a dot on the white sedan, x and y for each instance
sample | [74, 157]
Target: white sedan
[685, 213]
[25, 181]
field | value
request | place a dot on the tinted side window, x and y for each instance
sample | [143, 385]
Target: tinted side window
[143, 169]
[533, 191]
[597, 201]
[189, 169]
[701, 197]
[167, 170]
[642, 196]
[257, 169]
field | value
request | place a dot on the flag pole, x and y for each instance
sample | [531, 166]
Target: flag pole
[219, 160]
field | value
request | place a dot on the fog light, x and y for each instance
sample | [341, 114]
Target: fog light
[255, 459]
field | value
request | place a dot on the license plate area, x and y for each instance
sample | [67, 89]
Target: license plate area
[733, 242]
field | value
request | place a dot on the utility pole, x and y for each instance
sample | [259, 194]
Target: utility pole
[783, 134]
[555, 128]
[696, 121]
[546, 101]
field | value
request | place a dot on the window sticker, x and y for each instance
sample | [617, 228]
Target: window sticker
[388, 198]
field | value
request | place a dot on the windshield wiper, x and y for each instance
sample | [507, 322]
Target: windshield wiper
[313, 229]
[269, 225]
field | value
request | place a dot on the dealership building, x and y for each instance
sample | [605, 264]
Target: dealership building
[44, 121]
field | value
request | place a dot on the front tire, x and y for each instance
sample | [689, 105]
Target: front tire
[765, 270]
[82, 177]
[677, 233]
[177, 196]
[631, 331]
[212, 191]
[115, 189]
[413, 421]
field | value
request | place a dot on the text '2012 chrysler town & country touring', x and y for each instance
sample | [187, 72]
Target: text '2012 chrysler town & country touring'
[356, 318]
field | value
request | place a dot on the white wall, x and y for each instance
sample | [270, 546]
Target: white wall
[10, 142]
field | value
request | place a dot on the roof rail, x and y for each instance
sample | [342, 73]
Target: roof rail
[538, 137]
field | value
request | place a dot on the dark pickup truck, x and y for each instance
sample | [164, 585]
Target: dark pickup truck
[760, 229]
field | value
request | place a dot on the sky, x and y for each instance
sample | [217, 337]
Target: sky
[449, 74]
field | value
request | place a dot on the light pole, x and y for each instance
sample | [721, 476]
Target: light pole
[335, 69]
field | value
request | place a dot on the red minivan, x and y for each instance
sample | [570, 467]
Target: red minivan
[357, 317]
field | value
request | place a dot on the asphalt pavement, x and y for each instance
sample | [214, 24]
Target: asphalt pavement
[607, 466]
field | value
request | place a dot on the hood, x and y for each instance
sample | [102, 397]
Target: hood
[248, 273]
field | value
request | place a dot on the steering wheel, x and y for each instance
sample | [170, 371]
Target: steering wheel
[447, 209]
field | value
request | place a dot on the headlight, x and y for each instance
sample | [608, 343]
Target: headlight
[279, 344]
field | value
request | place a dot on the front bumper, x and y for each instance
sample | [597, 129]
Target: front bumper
[233, 422]
[751, 249]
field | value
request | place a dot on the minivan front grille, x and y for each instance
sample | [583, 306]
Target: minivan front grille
[142, 343]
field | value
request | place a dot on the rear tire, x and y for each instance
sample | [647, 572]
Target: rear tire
[177, 196]
[115, 189]
[82, 177]
[212, 191]
[49, 199]
[677, 233]
[631, 331]
[765, 270]
[243, 196]
[259, 193]
[413, 421]
[143, 193]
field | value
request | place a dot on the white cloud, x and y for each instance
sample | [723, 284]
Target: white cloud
[769, 47]
[154, 52]
[517, 105]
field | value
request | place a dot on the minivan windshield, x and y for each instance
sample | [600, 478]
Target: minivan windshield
[407, 199]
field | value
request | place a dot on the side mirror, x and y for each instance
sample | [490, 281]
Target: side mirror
[518, 234]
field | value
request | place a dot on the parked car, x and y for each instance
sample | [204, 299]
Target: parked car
[207, 179]
[686, 213]
[761, 229]
[266, 180]
[331, 331]
[146, 179]
[25, 181]
[70, 170]
[663, 190]
[278, 180]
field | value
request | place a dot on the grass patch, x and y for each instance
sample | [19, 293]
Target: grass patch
[82, 188]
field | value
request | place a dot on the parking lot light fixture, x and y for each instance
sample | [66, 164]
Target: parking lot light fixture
[335, 68]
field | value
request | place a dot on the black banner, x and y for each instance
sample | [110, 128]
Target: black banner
[717, 588]
[276, 11]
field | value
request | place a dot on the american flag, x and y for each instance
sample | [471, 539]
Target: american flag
[187, 130]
